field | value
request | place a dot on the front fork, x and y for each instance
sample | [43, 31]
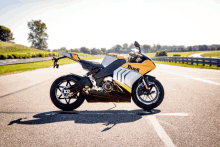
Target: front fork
[146, 82]
[147, 85]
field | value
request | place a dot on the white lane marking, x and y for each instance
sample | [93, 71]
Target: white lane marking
[160, 131]
[190, 77]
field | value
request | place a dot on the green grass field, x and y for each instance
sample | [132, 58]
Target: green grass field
[194, 65]
[22, 51]
[16, 68]
[211, 54]
[17, 51]
[6, 47]
[186, 54]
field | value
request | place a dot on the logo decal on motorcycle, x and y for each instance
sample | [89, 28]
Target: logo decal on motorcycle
[132, 68]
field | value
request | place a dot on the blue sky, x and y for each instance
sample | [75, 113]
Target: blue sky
[104, 23]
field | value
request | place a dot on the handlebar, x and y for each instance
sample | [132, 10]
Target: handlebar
[56, 60]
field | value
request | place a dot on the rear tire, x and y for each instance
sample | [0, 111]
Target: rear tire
[58, 99]
[144, 101]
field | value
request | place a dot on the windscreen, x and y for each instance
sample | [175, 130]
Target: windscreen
[108, 60]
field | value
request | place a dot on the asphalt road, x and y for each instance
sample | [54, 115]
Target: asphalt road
[188, 116]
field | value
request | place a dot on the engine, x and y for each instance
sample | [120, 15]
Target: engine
[107, 85]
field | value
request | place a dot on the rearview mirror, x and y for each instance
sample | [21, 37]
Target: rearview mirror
[136, 44]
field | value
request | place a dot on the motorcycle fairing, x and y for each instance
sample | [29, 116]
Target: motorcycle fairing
[109, 58]
[126, 77]
[72, 56]
[116, 56]
[108, 70]
[75, 56]
[124, 86]
[141, 68]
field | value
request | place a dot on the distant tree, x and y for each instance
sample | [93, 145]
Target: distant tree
[75, 50]
[37, 36]
[5, 34]
[112, 50]
[189, 48]
[63, 49]
[131, 46]
[94, 51]
[146, 48]
[125, 46]
[204, 47]
[99, 52]
[104, 51]
[117, 48]
[158, 47]
[182, 48]
[85, 50]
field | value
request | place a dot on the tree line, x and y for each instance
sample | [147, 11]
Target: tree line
[125, 49]
[38, 38]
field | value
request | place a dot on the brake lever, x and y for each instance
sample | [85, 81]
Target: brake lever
[55, 63]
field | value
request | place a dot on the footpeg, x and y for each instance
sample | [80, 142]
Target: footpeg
[86, 89]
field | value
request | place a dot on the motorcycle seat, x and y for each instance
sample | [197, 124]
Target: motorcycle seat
[90, 65]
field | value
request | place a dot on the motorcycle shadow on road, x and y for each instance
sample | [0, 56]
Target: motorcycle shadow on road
[107, 117]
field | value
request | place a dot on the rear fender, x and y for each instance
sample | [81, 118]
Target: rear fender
[73, 76]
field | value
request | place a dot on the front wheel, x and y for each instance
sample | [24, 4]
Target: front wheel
[148, 99]
[61, 95]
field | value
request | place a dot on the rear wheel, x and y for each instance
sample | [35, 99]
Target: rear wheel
[148, 99]
[62, 97]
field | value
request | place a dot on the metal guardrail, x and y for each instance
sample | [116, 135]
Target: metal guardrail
[209, 61]
[19, 61]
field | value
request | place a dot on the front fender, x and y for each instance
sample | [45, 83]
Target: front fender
[146, 77]
[149, 77]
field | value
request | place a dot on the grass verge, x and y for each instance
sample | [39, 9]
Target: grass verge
[212, 54]
[194, 65]
[186, 54]
[17, 68]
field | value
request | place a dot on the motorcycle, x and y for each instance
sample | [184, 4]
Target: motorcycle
[114, 80]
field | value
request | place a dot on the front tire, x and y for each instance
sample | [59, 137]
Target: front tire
[58, 97]
[144, 100]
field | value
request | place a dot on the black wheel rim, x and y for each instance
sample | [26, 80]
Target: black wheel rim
[61, 97]
[145, 98]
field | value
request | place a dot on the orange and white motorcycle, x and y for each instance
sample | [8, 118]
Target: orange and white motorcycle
[114, 80]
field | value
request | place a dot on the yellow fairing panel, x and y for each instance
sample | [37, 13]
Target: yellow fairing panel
[141, 68]
[117, 56]
[75, 56]
[124, 86]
